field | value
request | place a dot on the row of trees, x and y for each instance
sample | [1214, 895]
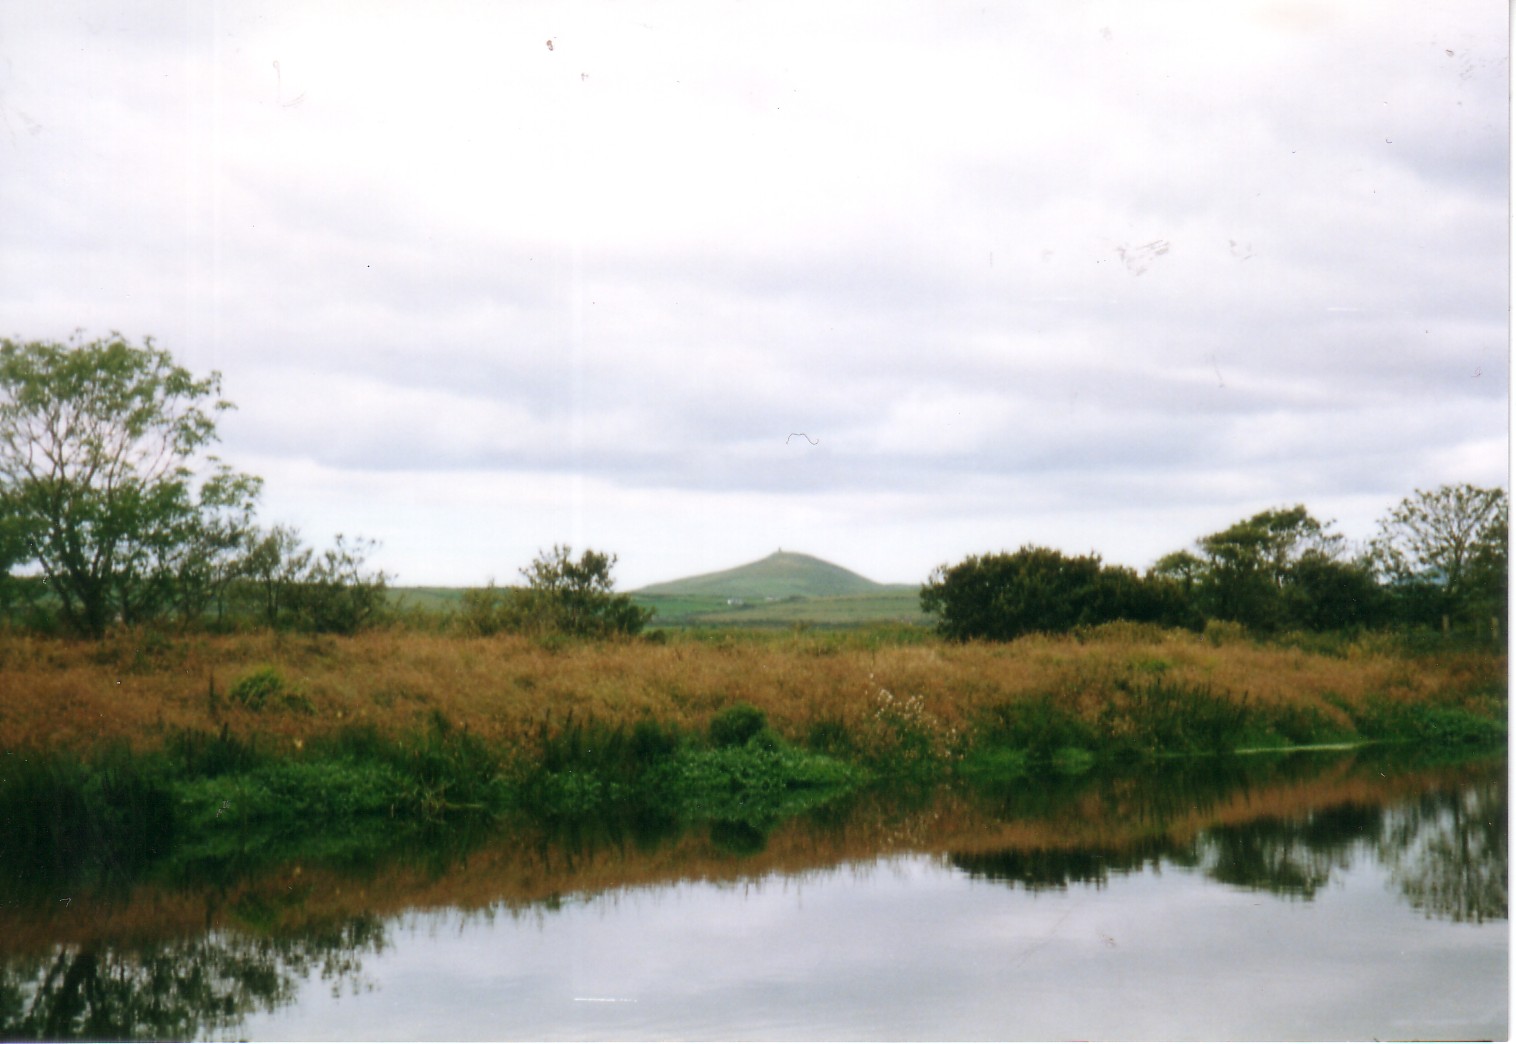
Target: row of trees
[112, 510]
[1440, 558]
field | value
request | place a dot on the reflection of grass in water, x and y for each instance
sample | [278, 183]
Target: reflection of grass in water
[517, 864]
[1275, 824]
[212, 801]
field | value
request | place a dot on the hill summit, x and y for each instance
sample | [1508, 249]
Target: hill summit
[783, 574]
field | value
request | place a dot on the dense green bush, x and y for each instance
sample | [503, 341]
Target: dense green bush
[737, 724]
[562, 598]
[1165, 718]
[1003, 596]
[1038, 727]
[193, 753]
[1428, 724]
[61, 818]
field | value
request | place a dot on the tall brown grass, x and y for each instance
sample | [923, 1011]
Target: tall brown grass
[138, 689]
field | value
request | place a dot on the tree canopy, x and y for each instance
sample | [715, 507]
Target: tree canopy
[105, 482]
[562, 596]
[1447, 551]
[1003, 596]
[112, 507]
[1440, 552]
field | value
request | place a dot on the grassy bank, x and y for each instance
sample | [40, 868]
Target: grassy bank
[229, 748]
[865, 687]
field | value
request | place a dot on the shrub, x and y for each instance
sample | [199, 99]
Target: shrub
[1225, 632]
[572, 598]
[1040, 727]
[483, 613]
[737, 724]
[337, 593]
[1000, 597]
[652, 741]
[256, 688]
[1165, 718]
[830, 736]
[1430, 725]
[64, 820]
[202, 754]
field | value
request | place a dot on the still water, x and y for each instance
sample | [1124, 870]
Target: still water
[1308, 898]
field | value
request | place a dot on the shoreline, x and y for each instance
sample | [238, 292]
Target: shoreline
[340, 742]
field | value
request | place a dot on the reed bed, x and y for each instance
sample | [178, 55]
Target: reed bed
[285, 691]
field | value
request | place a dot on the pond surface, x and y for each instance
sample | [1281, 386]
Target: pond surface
[1342, 897]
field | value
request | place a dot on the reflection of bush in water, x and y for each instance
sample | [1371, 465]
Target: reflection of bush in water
[1041, 869]
[1447, 852]
[63, 819]
[176, 990]
[743, 839]
[1285, 857]
[1270, 855]
[1162, 793]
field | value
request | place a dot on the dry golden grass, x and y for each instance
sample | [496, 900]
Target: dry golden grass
[65, 695]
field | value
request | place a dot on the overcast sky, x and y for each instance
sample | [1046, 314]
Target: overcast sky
[889, 283]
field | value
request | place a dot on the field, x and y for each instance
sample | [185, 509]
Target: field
[784, 590]
[892, 605]
[888, 604]
[427, 599]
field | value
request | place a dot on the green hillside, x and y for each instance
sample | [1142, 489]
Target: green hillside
[784, 574]
[782, 590]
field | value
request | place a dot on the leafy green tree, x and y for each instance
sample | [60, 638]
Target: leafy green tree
[1003, 596]
[15, 589]
[99, 443]
[1183, 568]
[1175, 579]
[1447, 551]
[179, 989]
[1322, 593]
[271, 568]
[214, 543]
[576, 598]
[336, 592]
[1247, 566]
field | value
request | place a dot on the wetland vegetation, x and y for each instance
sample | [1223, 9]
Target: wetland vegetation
[264, 742]
[194, 704]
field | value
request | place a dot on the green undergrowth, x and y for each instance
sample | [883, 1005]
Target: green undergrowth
[1046, 738]
[740, 771]
[1431, 725]
[207, 798]
[219, 800]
